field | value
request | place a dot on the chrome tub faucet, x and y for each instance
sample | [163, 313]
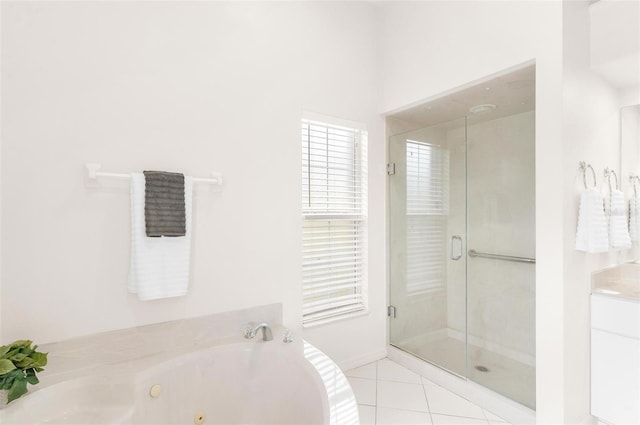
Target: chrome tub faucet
[251, 331]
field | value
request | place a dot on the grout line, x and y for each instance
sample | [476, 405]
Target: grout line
[413, 411]
[424, 390]
[485, 416]
[406, 382]
[465, 417]
[360, 377]
[401, 382]
[501, 421]
[462, 416]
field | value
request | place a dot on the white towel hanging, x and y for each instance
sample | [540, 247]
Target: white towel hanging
[634, 211]
[618, 226]
[591, 235]
[634, 218]
[159, 266]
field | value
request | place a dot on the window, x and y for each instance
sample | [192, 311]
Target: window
[427, 209]
[334, 211]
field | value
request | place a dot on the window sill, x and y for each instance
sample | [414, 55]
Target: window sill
[328, 320]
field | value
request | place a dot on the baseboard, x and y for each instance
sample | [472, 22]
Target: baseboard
[362, 360]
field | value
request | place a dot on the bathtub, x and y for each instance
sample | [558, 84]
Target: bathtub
[238, 382]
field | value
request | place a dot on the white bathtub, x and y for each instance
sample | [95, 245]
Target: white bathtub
[241, 382]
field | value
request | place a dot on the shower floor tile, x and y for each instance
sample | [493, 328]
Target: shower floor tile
[404, 398]
[504, 375]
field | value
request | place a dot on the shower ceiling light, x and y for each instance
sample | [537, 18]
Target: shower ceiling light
[482, 109]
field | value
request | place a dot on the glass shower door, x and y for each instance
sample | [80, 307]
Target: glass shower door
[501, 245]
[427, 240]
[462, 248]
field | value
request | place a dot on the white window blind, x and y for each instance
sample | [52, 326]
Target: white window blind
[334, 205]
[427, 209]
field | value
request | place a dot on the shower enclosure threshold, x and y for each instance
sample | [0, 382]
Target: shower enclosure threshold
[498, 404]
[434, 364]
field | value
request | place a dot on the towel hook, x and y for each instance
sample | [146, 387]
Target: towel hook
[583, 167]
[607, 174]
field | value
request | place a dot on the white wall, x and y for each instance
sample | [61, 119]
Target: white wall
[591, 128]
[1, 126]
[614, 39]
[433, 47]
[184, 86]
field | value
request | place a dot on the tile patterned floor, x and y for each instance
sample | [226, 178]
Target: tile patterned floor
[390, 394]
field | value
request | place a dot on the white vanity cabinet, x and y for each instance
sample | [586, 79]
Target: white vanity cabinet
[615, 359]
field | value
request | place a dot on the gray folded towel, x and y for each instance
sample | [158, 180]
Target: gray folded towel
[164, 210]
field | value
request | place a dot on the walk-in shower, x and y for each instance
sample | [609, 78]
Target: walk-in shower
[462, 233]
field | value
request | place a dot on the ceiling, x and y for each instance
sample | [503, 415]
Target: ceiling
[512, 93]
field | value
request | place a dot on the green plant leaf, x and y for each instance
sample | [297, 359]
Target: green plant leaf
[15, 373]
[31, 377]
[4, 350]
[19, 363]
[10, 377]
[6, 366]
[27, 351]
[11, 353]
[24, 364]
[19, 346]
[18, 357]
[5, 382]
[21, 343]
[18, 389]
[39, 360]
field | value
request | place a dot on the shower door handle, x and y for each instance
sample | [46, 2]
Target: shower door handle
[457, 256]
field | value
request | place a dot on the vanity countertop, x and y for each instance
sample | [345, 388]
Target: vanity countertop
[622, 281]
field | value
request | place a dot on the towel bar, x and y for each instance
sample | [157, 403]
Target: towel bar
[474, 253]
[93, 173]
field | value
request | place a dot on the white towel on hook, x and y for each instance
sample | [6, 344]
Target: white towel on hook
[634, 218]
[618, 226]
[591, 235]
[159, 266]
